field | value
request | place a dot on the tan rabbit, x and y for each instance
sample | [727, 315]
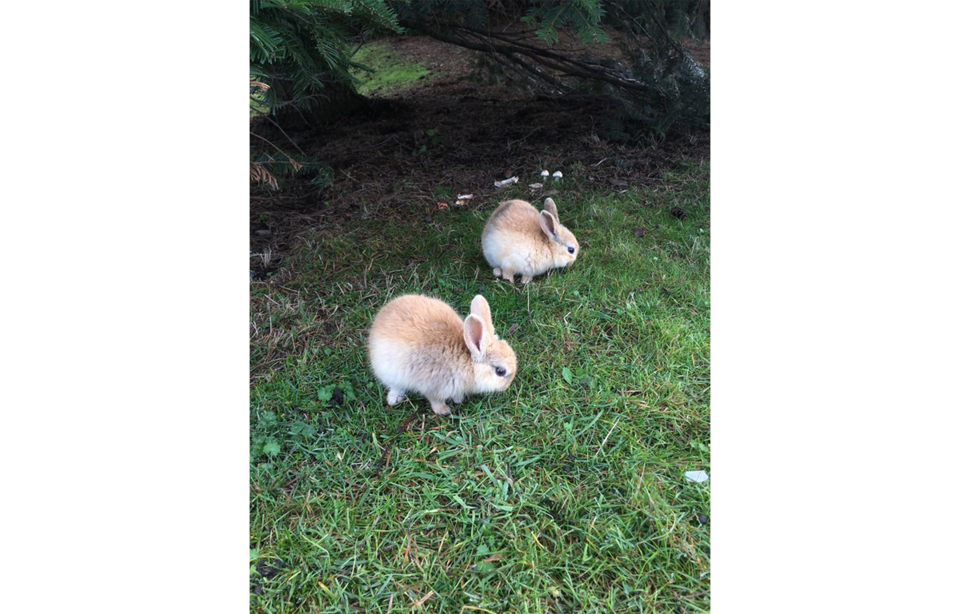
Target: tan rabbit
[518, 239]
[420, 344]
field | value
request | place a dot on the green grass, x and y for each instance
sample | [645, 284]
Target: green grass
[391, 73]
[566, 493]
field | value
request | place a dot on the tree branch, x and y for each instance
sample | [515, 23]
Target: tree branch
[548, 59]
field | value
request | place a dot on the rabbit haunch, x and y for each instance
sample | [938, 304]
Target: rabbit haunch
[519, 239]
[420, 344]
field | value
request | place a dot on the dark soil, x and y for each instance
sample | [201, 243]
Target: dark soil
[398, 158]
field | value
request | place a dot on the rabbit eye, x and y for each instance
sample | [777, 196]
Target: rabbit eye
[570, 249]
[501, 371]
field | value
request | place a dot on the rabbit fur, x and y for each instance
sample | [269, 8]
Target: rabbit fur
[420, 344]
[519, 239]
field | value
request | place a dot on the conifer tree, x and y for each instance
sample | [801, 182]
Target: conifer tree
[299, 51]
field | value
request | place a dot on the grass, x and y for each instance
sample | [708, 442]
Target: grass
[566, 493]
[391, 73]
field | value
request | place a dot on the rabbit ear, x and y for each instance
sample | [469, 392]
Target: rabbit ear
[548, 223]
[549, 205]
[480, 308]
[474, 336]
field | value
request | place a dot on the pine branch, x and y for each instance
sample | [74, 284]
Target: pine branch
[296, 165]
[547, 58]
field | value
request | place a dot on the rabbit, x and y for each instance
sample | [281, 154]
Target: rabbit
[420, 344]
[517, 239]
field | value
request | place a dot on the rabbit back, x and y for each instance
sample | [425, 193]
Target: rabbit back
[416, 344]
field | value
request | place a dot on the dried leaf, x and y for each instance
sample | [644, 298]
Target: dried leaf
[261, 175]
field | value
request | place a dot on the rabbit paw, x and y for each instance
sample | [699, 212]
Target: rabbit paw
[394, 396]
[440, 408]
